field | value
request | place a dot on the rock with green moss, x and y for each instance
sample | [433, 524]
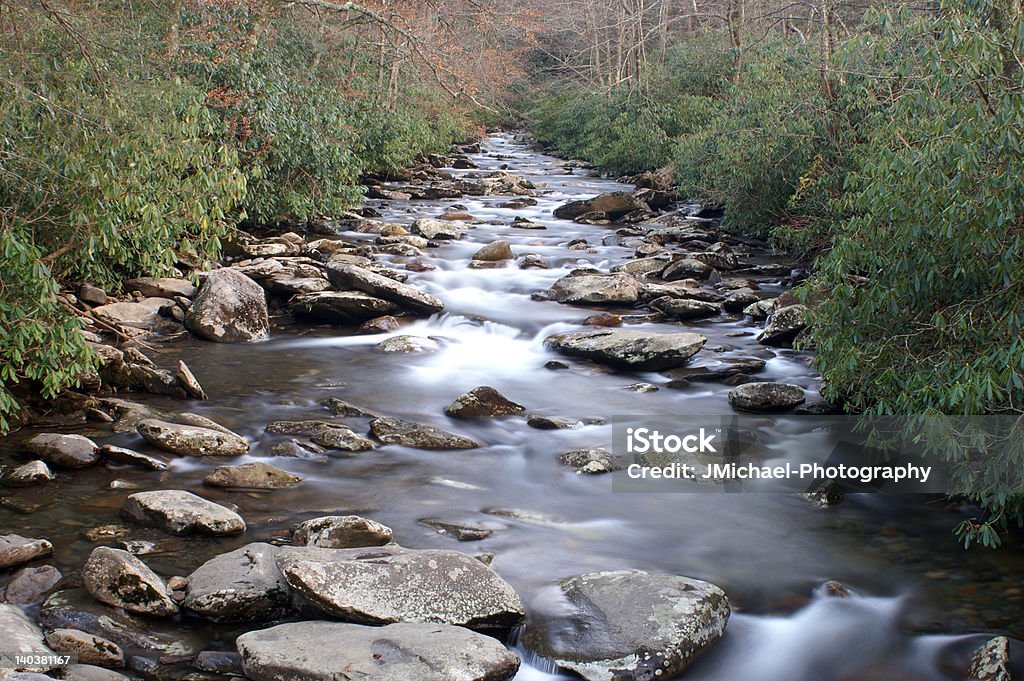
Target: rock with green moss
[118, 578]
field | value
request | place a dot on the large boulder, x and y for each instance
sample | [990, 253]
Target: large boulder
[180, 512]
[595, 289]
[188, 440]
[392, 584]
[483, 402]
[229, 308]
[317, 651]
[240, 586]
[766, 396]
[784, 325]
[638, 350]
[344, 275]
[629, 625]
[341, 532]
[19, 635]
[15, 550]
[341, 307]
[118, 578]
[392, 431]
[612, 204]
[64, 451]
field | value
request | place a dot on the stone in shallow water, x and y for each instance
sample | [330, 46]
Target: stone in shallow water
[991, 662]
[341, 307]
[30, 585]
[459, 531]
[394, 431]
[88, 648]
[638, 350]
[181, 512]
[629, 625]
[341, 532]
[28, 475]
[784, 325]
[482, 402]
[229, 308]
[188, 440]
[346, 276]
[15, 550]
[88, 672]
[255, 475]
[316, 651]
[118, 578]
[408, 344]
[240, 586]
[766, 396]
[19, 635]
[392, 584]
[595, 289]
[132, 458]
[342, 438]
[64, 451]
[591, 461]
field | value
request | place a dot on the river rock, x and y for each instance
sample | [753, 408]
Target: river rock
[88, 648]
[641, 267]
[686, 268]
[408, 344]
[766, 396]
[19, 635]
[482, 402]
[392, 431]
[686, 308]
[118, 578]
[494, 252]
[340, 307]
[991, 662]
[341, 532]
[344, 275]
[229, 308]
[64, 451]
[342, 438]
[28, 475]
[595, 289]
[391, 584]
[612, 204]
[739, 300]
[315, 651]
[15, 550]
[93, 295]
[142, 313]
[637, 350]
[783, 326]
[132, 458]
[187, 440]
[436, 229]
[30, 585]
[590, 461]
[761, 309]
[180, 512]
[240, 586]
[456, 530]
[89, 672]
[255, 475]
[382, 324]
[629, 625]
[160, 287]
[715, 370]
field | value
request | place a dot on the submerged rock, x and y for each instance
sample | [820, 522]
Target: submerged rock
[482, 402]
[255, 475]
[595, 289]
[118, 578]
[180, 512]
[240, 586]
[341, 532]
[229, 308]
[629, 625]
[187, 440]
[638, 350]
[316, 651]
[15, 550]
[766, 396]
[392, 584]
[394, 431]
[64, 451]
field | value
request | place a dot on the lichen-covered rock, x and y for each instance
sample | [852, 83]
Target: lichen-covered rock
[686, 268]
[394, 431]
[346, 276]
[629, 625]
[408, 344]
[87, 648]
[15, 550]
[639, 350]
[118, 578]
[991, 662]
[180, 512]
[591, 461]
[595, 289]
[341, 307]
[341, 532]
[240, 586]
[437, 229]
[342, 438]
[784, 325]
[64, 451]
[255, 475]
[483, 402]
[316, 651]
[229, 308]
[766, 396]
[188, 440]
[391, 584]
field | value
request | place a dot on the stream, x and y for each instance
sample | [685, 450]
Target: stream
[921, 604]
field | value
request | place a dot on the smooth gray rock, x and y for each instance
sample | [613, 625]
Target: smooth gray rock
[341, 532]
[638, 350]
[392, 584]
[345, 276]
[243, 585]
[30, 585]
[766, 396]
[437, 229]
[317, 651]
[132, 458]
[393, 431]
[496, 251]
[595, 289]
[88, 648]
[15, 550]
[28, 475]
[229, 308]
[161, 287]
[143, 313]
[64, 451]
[188, 440]
[88, 672]
[483, 402]
[180, 512]
[629, 625]
[18, 634]
[118, 578]
[783, 326]
[255, 475]
[408, 344]
[686, 308]
[341, 307]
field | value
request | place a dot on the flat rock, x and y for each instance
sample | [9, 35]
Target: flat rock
[686, 268]
[243, 585]
[15, 550]
[391, 584]
[188, 440]
[341, 307]
[638, 350]
[255, 475]
[766, 396]
[160, 287]
[595, 289]
[612, 204]
[87, 648]
[783, 326]
[180, 512]
[629, 625]
[316, 651]
[132, 458]
[30, 585]
[686, 308]
[118, 578]
[18, 634]
[229, 308]
[408, 344]
[64, 451]
[342, 438]
[591, 461]
[437, 229]
[394, 431]
[344, 276]
[483, 402]
[142, 313]
[457, 530]
[718, 370]
[341, 532]
[28, 475]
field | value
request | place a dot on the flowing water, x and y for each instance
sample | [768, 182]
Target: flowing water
[923, 605]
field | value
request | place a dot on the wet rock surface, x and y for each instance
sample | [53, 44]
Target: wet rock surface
[240, 586]
[639, 350]
[181, 512]
[229, 308]
[118, 578]
[341, 532]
